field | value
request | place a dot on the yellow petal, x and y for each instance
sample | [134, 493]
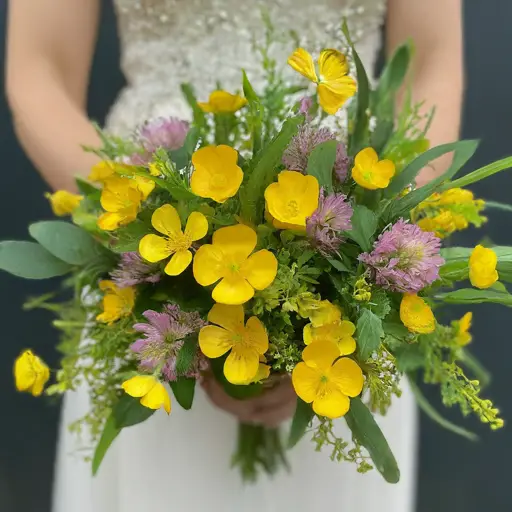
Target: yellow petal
[139, 385]
[110, 221]
[197, 226]
[302, 62]
[101, 171]
[154, 248]
[113, 309]
[346, 374]
[166, 220]
[145, 185]
[223, 102]
[308, 334]
[233, 290]
[63, 202]
[178, 263]
[229, 317]
[108, 285]
[214, 341]
[257, 335]
[320, 354]
[237, 241]
[416, 314]
[260, 269]
[241, 365]
[324, 313]
[306, 381]
[209, 265]
[332, 65]
[30, 373]
[347, 345]
[465, 322]
[366, 158]
[331, 402]
[346, 328]
[157, 397]
[482, 267]
[333, 95]
[42, 376]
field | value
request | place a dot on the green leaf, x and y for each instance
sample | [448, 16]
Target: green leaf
[67, 242]
[358, 137]
[498, 206]
[364, 224]
[186, 355]
[86, 188]
[256, 113]
[409, 357]
[321, 163]
[380, 303]
[396, 329]
[365, 429]
[338, 265]
[180, 157]
[305, 257]
[127, 238]
[128, 411]
[395, 71]
[463, 151]
[30, 261]
[183, 390]
[454, 271]
[302, 418]
[264, 172]
[474, 296]
[450, 254]
[369, 333]
[427, 408]
[480, 174]
[110, 432]
[381, 135]
[191, 140]
[199, 117]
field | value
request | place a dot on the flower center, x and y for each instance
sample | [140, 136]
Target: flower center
[324, 379]
[179, 242]
[218, 181]
[292, 208]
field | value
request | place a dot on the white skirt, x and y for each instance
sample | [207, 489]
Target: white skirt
[181, 463]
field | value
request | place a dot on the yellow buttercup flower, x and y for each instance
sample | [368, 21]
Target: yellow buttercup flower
[175, 242]
[246, 343]
[117, 302]
[30, 373]
[292, 199]
[223, 102]
[482, 267]
[333, 85]
[151, 392]
[64, 202]
[327, 385]
[463, 336]
[228, 258]
[216, 173]
[106, 169]
[417, 315]
[370, 172]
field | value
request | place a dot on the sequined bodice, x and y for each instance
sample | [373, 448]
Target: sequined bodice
[167, 42]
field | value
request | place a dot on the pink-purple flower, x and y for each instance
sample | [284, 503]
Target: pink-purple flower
[164, 336]
[133, 270]
[168, 133]
[296, 155]
[329, 220]
[405, 258]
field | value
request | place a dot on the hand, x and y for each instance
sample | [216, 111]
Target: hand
[273, 407]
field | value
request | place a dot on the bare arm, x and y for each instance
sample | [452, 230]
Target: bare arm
[435, 26]
[50, 44]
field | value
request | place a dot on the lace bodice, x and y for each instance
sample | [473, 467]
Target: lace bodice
[167, 42]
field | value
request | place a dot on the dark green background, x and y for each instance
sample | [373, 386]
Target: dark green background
[454, 475]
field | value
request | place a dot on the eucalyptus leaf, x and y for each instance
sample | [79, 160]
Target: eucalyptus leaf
[369, 333]
[183, 390]
[66, 241]
[321, 163]
[30, 261]
[302, 418]
[474, 296]
[364, 224]
[365, 429]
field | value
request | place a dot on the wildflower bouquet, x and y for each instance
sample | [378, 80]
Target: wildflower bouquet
[270, 237]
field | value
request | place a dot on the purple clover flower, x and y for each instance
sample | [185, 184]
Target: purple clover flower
[133, 270]
[333, 216]
[296, 155]
[163, 338]
[168, 133]
[405, 258]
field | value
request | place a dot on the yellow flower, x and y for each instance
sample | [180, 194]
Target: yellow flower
[64, 202]
[117, 302]
[463, 336]
[246, 343]
[151, 392]
[482, 267]
[106, 169]
[339, 332]
[30, 373]
[292, 199]
[456, 196]
[229, 258]
[369, 172]
[175, 242]
[328, 386]
[216, 173]
[222, 102]
[334, 86]
[417, 315]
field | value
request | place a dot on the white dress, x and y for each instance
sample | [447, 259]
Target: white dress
[181, 463]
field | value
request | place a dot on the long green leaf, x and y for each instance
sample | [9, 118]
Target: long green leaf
[256, 118]
[494, 205]
[321, 163]
[474, 296]
[369, 333]
[463, 151]
[364, 224]
[128, 411]
[110, 432]
[67, 242]
[183, 390]
[395, 71]
[302, 418]
[190, 97]
[365, 429]
[359, 135]
[30, 261]
[427, 408]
